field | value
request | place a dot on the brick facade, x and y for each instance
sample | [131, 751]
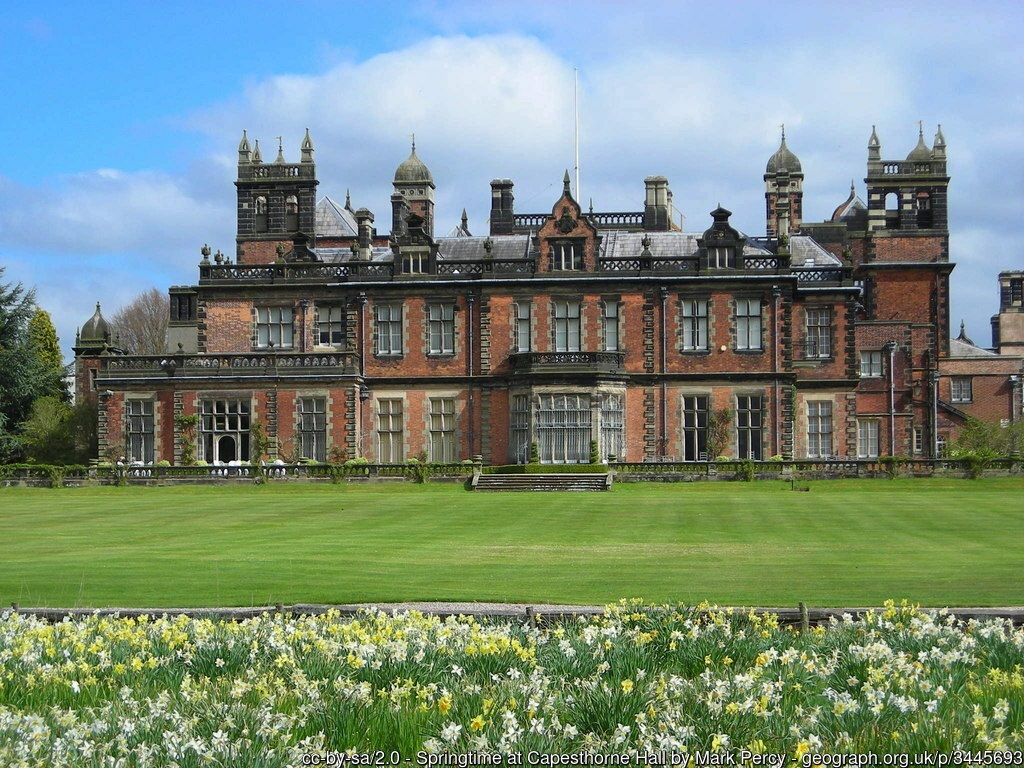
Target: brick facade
[563, 330]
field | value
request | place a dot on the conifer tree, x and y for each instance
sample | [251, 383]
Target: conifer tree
[42, 337]
[18, 365]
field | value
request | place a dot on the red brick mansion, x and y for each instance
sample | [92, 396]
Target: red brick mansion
[557, 331]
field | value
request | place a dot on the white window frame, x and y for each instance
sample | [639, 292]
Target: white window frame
[523, 328]
[961, 389]
[696, 417]
[442, 429]
[749, 426]
[695, 325]
[748, 324]
[868, 432]
[819, 429]
[275, 326]
[225, 417]
[441, 329]
[330, 326]
[567, 325]
[871, 364]
[388, 329]
[390, 430]
[721, 257]
[610, 326]
[566, 256]
[140, 430]
[818, 325]
[519, 426]
[313, 428]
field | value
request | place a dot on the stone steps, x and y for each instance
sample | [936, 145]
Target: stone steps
[546, 482]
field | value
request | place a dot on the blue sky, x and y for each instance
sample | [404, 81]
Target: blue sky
[122, 119]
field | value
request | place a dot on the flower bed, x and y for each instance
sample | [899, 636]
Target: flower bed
[280, 691]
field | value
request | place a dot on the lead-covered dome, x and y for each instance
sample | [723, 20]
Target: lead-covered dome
[783, 160]
[96, 328]
[413, 170]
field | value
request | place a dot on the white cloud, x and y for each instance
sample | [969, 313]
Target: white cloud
[692, 93]
[147, 216]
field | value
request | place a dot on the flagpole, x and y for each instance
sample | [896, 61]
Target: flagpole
[576, 117]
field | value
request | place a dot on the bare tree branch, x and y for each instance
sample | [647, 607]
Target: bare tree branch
[141, 326]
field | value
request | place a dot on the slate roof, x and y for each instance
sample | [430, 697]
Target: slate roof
[333, 220]
[614, 244]
[959, 348]
[806, 252]
[506, 247]
[338, 255]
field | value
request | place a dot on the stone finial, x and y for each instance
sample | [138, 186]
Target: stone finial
[307, 149]
[244, 150]
[257, 155]
[280, 150]
[939, 145]
[566, 183]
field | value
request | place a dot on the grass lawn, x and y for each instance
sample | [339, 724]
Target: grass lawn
[846, 543]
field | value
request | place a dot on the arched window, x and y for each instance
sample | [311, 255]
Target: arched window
[262, 214]
[892, 210]
[291, 213]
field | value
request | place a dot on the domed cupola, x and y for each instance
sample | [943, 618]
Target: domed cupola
[96, 331]
[783, 191]
[920, 153]
[783, 159]
[413, 170]
[414, 193]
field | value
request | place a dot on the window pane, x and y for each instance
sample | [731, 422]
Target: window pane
[611, 326]
[748, 426]
[748, 323]
[819, 429]
[695, 428]
[695, 324]
[523, 327]
[390, 431]
[563, 429]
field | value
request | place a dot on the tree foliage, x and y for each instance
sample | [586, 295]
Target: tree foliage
[140, 326]
[19, 367]
[987, 440]
[42, 337]
[47, 436]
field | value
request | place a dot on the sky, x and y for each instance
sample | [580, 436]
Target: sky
[122, 119]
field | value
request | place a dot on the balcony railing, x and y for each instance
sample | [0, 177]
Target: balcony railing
[574, 362]
[353, 271]
[218, 365]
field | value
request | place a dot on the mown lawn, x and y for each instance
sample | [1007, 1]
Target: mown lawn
[845, 543]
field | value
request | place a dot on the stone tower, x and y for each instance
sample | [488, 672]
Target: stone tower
[276, 202]
[907, 199]
[783, 192]
[414, 193]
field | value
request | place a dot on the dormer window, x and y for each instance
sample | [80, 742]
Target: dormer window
[721, 257]
[262, 214]
[566, 255]
[291, 213]
[416, 262]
